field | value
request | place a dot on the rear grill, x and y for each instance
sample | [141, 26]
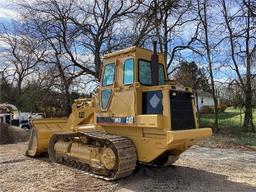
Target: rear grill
[182, 116]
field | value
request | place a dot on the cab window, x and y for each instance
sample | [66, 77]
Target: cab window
[128, 71]
[145, 73]
[161, 74]
[109, 74]
[105, 98]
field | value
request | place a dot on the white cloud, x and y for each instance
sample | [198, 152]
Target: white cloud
[7, 10]
[3, 46]
[8, 13]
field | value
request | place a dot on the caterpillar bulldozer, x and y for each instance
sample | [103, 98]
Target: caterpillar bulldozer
[135, 116]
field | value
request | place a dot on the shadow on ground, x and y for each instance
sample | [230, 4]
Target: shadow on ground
[172, 178]
[178, 178]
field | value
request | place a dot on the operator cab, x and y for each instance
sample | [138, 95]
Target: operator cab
[134, 85]
[125, 70]
[132, 66]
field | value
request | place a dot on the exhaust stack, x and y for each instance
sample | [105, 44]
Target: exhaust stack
[154, 65]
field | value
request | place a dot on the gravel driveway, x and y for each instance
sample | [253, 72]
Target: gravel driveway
[198, 169]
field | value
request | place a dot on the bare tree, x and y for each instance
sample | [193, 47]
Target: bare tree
[166, 20]
[242, 43]
[202, 12]
[49, 22]
[75, 31]
[96, 20]
[21, 53]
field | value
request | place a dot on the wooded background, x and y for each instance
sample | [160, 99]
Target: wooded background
[52, 52]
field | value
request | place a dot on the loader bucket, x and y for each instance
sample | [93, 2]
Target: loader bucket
[42, 130]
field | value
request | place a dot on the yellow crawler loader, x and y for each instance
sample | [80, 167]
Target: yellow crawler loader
[136, 116]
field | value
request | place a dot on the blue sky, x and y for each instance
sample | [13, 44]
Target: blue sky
[8, 14]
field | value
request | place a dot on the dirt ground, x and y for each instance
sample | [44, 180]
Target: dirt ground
[198, 169]
[11, 134]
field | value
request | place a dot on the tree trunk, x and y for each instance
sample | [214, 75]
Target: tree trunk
[67, 100]
[208, 51]
[216, 122]
[19, 93]
[248, 116]
[65, 84]
[97, 62]
[198, 110]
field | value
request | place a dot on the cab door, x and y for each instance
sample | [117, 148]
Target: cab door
[123, 104]
[106, 90]
[117, 93]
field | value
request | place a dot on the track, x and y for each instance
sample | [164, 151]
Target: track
[123, 147]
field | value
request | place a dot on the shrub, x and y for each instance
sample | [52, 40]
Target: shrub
[206, 109]
[222, 108]
[210, 109]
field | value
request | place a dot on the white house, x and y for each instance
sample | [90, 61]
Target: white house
[204, 98]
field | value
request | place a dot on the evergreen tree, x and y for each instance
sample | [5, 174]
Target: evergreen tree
[190, 75]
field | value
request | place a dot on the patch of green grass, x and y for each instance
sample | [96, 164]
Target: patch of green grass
[230, 124]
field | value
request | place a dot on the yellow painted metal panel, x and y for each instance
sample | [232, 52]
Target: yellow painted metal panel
[149, 121]
[187, 135]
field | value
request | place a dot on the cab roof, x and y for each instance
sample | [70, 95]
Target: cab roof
[128, 50]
